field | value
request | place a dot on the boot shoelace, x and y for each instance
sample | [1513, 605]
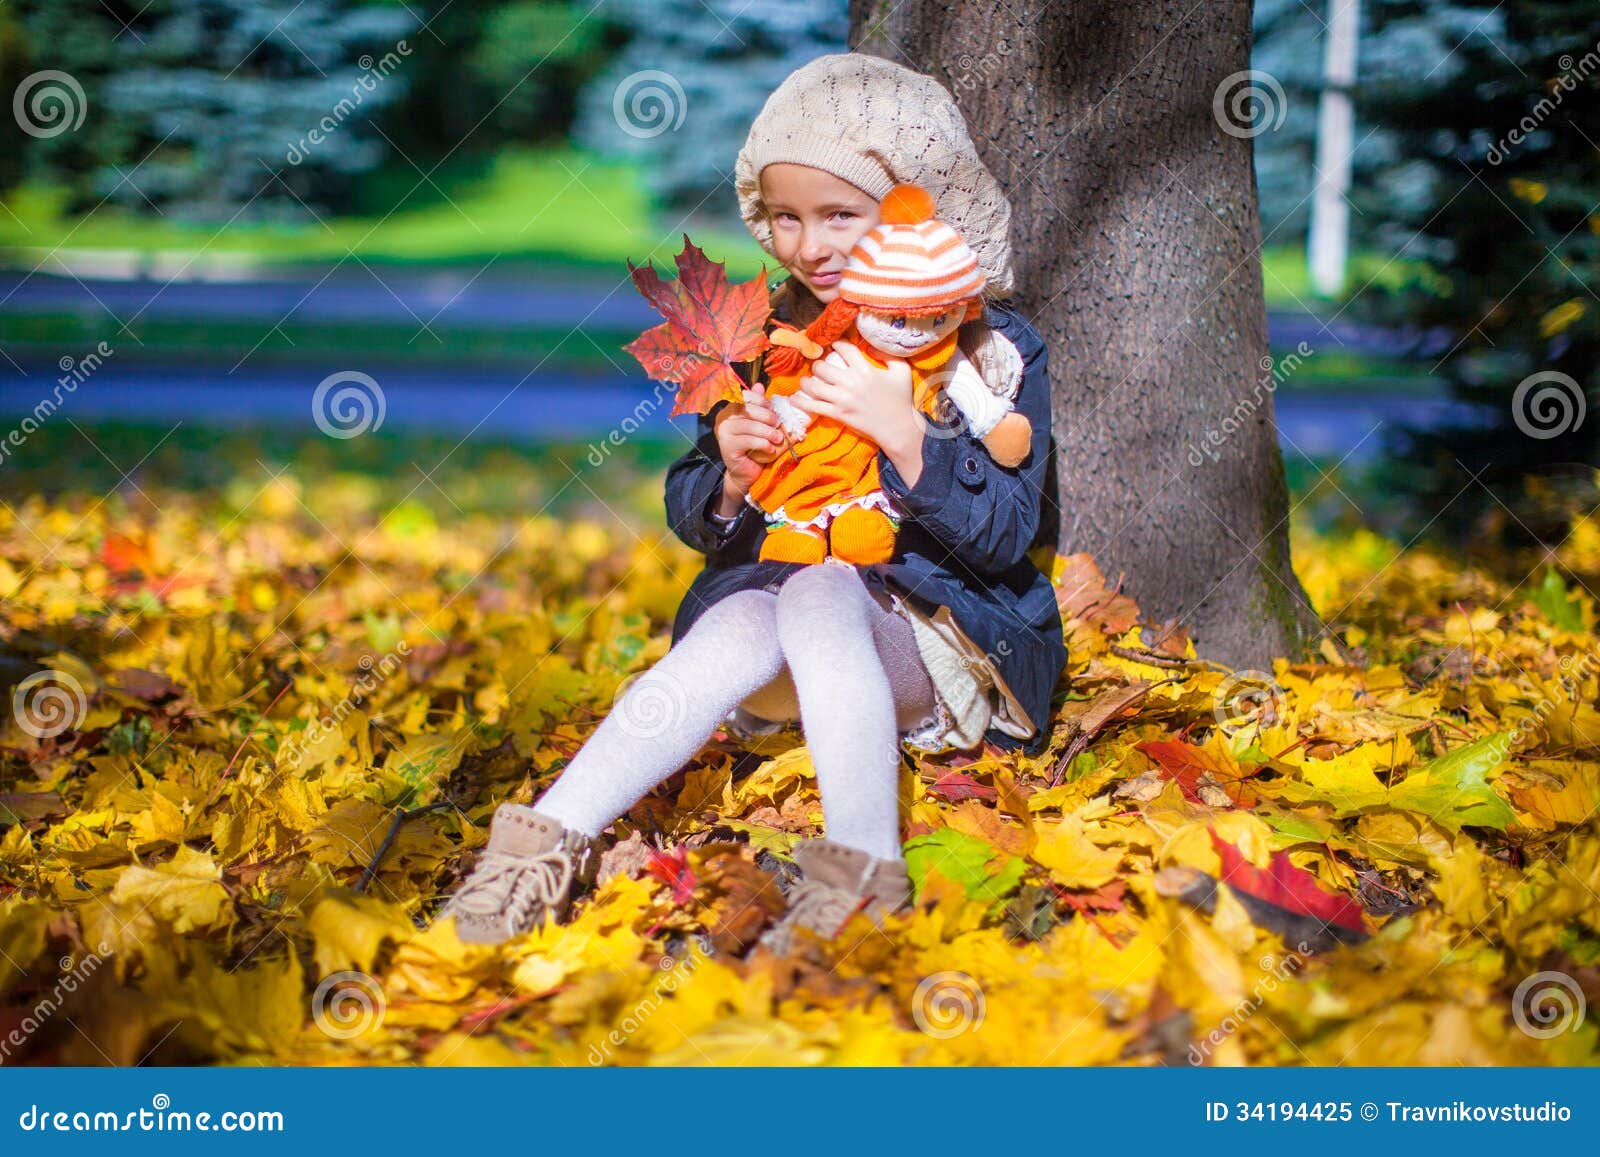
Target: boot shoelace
[515, 883]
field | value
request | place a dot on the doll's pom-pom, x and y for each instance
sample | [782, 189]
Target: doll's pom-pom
[906, 205]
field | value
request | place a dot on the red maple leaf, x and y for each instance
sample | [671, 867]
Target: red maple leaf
[1186, 763]
[672, 869]
[956, 786]
[1286, 888]
[710, 325]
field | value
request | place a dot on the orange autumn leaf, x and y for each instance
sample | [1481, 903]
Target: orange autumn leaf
[709, 326]
[1200, 771]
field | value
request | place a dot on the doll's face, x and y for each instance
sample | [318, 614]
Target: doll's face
[901, 336]
[816, 219]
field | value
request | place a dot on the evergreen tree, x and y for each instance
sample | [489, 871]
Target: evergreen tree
[194, 105]
[683, 92]
[488, 74]
[1501, 143]
[13, 67]
[1288, 47]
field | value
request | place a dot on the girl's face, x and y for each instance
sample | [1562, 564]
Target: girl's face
[816, 220]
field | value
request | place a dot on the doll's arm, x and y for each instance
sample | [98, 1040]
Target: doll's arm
[965, 387]
[791, 417]
[996, 356]
[992, 417]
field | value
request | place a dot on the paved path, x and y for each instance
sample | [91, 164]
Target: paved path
[505, 404]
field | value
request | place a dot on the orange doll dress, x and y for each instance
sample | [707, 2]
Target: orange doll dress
[826, 500]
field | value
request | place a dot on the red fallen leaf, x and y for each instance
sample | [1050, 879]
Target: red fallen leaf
[672, 868]
[159, 588]
[133, 568]
[956, 786]
[1187, 763]
[1172, 638]
[1107, 897]
[1086, 904]
[476, 1018]
[710, 325]
[25, 806]
[124, 556]
[1292, 892]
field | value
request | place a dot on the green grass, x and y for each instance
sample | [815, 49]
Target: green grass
[558, 206]
[1286, 277]
[590, 348]
[551, 207]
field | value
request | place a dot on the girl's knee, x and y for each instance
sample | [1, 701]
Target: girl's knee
[740, 611]
[812, 590]
[822, 613]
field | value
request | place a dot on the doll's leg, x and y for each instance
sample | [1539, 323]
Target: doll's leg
[669, 712]
[862, 536]
[826, 620]
[791, 544]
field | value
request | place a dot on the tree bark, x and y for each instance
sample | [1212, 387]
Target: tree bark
[1137, 244]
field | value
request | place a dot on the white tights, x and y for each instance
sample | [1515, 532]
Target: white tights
[821, 650]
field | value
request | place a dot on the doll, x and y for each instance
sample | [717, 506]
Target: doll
[907, 288]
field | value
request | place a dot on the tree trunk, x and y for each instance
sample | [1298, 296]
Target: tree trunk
[1137, 245]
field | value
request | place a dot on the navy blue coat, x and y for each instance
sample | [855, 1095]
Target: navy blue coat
[963, 545]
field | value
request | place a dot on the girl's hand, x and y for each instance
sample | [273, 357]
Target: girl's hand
[876, 403]
[748, 437]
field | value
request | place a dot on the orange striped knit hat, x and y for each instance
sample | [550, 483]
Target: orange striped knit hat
[912, 263]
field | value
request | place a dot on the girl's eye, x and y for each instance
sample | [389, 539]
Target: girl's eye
[845, 215]
[784, 217]
[898, 323]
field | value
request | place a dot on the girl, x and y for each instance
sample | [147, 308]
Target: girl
[955, 639]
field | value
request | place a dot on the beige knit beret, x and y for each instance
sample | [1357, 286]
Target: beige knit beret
[877, 124]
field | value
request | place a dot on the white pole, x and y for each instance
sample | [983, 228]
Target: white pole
[1330, 212]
